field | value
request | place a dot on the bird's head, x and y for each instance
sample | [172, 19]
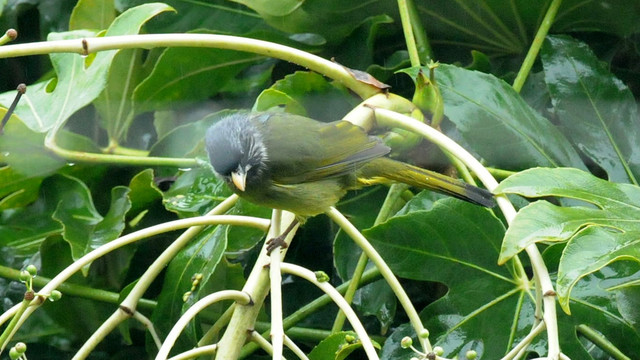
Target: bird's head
[236, 150]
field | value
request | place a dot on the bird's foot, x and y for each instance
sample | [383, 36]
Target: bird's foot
[276, 242]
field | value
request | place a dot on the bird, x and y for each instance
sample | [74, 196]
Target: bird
[305, 166]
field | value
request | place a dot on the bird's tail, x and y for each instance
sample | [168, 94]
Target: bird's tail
[382, 170]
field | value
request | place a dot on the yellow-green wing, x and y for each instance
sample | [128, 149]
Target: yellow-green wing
[300, 149]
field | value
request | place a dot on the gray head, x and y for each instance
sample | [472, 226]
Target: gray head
[236, 150]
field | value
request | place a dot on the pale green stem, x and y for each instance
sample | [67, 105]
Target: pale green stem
[386, 272]
[541, 274]
[105, 328]
[213, 332]
[262, 342]
[87, 157]
[7, 37]
[534, 49]
[257, 286]
[312, 307]
[395, 192]
[68, 289]
[239, 297]
[305, 334]
[525, 342]
[5, 337]
[407, 29]
[149, 325]
[170, 252]
[422, 41]
[136, 236]
[148, 41]
[338, 300]
[500, 173]
[129, 304]
[196, 353]
[277, 330]
[121, 150]
[294, 348]
[602, 342]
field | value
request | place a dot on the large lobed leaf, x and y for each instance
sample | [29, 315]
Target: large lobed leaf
[82, 225]
[499, 27]
[597, 111]
[77, 82]
[441, 244]
[596, 236]
[485, 108]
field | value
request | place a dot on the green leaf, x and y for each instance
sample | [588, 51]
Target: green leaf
[201, 256]
[114, 104]
[335, 347]
[596, 236]
[377, 299]
[360, 52]
[332, 19]
[215, 15]
[598, 112]
[184, 75]
[195, 192]
[591, 250]
[92, 14]
[542, 221]
[23, 150]
[83, 227]
[173, 144]
[24, 229]
[485, 108]
[595, 303]
[17, 190]
[143, 191]
[274, 100]
[574, 184]
[628, 301]
[77, 83]
[320, 99]
[70, 312]
[242, 238]
[493, 27]
[440, 244]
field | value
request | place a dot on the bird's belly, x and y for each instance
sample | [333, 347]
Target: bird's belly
[304, 199]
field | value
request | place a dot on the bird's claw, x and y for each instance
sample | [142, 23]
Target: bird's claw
[276, 242]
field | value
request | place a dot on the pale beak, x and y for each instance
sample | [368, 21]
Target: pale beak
[239, 179]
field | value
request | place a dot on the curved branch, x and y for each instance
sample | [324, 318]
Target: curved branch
[239, 296]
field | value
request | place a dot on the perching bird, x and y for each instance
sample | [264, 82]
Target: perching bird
[304, 166]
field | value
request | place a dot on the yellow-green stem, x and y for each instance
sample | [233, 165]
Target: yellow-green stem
[410, 39]
[534, 49]
[395, 193]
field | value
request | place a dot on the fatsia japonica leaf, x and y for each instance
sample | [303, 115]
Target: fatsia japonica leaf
[201, 256]
[496, 27]
[485, 108]
[598, 235]
[308, 94]
[222, 16]
[337, 346]
[186, 75]
[92, 14]
[82, 225]
[597, 111]
[441, 244]
[17, 190]
[78, 80]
